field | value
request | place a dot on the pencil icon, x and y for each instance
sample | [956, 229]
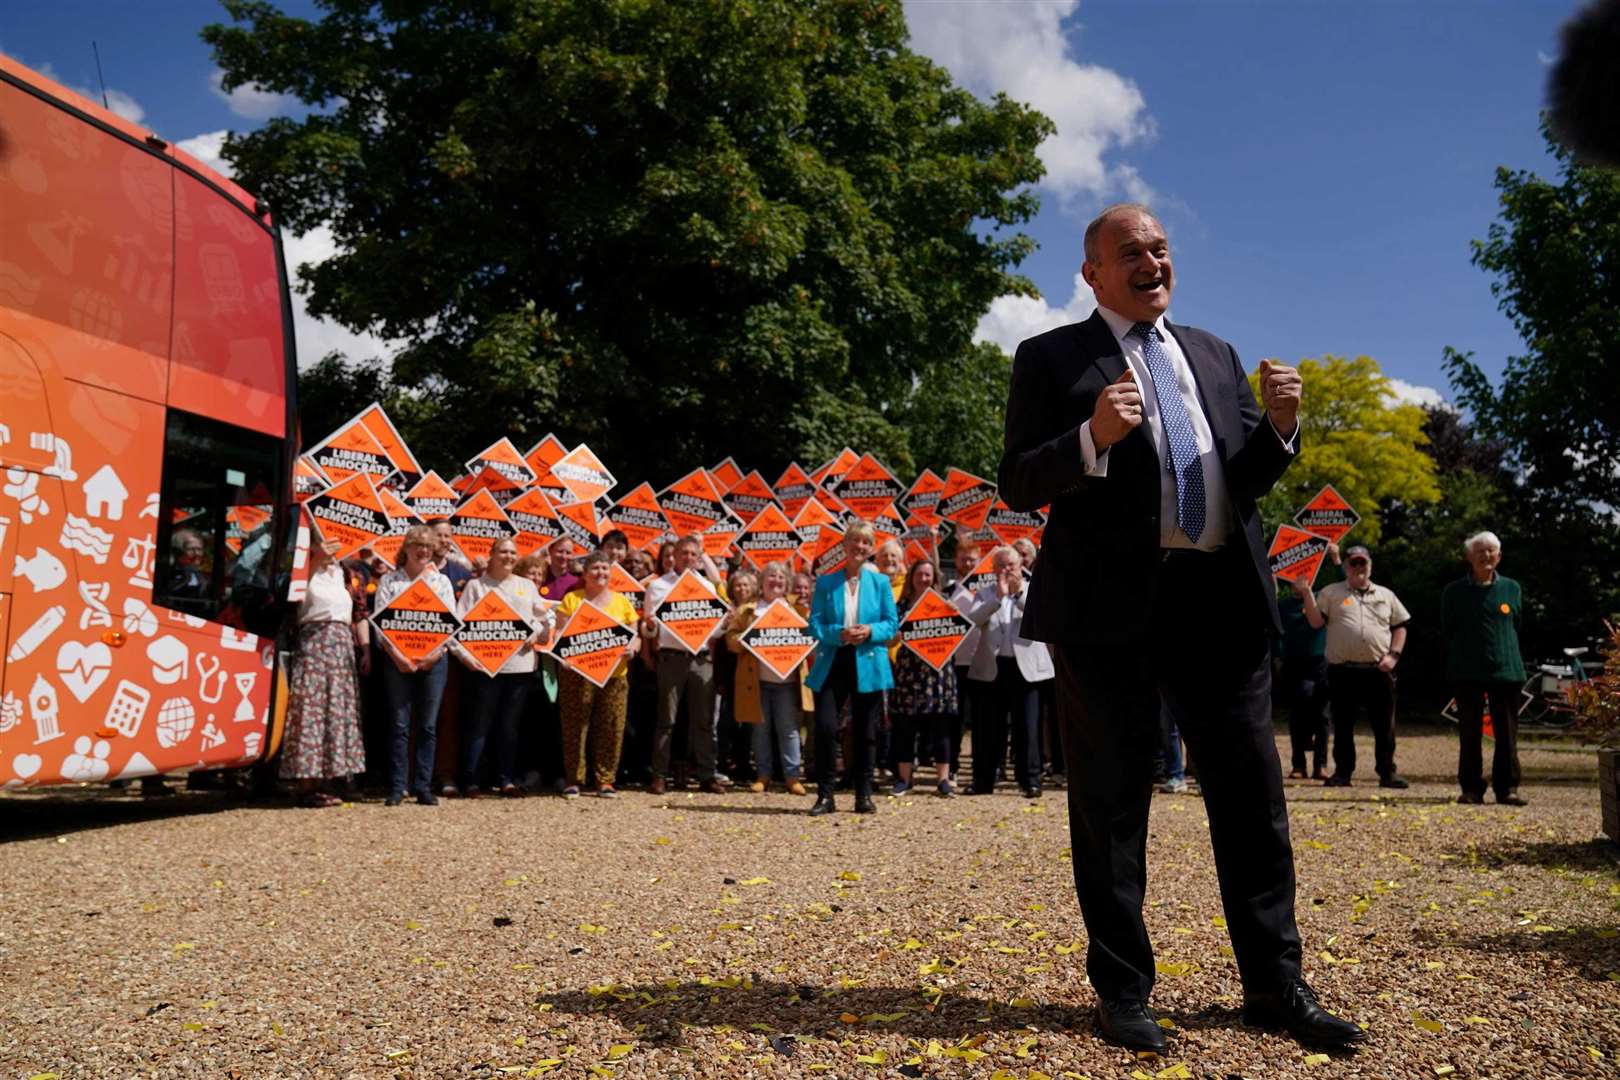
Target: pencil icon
[35, 635]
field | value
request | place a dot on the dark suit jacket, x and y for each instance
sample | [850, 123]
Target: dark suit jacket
[1100, 553]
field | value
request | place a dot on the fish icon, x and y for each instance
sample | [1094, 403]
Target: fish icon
[44, 571]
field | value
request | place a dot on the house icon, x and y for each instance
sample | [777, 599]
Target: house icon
[104, 495]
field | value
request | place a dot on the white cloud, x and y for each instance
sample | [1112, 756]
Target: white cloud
[1402, 392]
[118, 102]
[1011, 319]
[250, 100]
[1020, 48]
[315, 337]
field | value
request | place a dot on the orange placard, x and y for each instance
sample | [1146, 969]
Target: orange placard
[815, 525]
[827, 555]
[417, 622]
[350, 450]
[431, 497]
[718, 539]
[400, 520]
[1009, 524]
[886, 525]
[583, 474]
[544, 454]
[504, 458]
[921, 500]
[691, 503]
[966, 499]
[793, 489]
[497, 483]
[827, 477]
[934, 629]
[593, 643]
[620, 581]
[637, 516]
[983, 576]
[580, 524]
[1327, 514]
[726, 476]
[349, 512]
[779, 637]
[308, 479]
[749, 496]
[691, 611]
[867, 487]
[407, 471]
[532, 515]
[477, 524]
[1296, 555]
[240, 521]
[492, 632]
[769, 538]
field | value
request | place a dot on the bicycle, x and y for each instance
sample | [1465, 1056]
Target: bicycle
[1547, 698]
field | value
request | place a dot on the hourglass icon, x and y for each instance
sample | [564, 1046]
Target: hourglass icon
[244, 685]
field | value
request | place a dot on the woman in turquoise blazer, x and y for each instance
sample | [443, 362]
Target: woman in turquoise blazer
[852, 665]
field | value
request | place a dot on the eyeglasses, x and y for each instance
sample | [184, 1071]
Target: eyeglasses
[1358, 562]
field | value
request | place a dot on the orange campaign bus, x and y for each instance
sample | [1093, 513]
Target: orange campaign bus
[147, 439]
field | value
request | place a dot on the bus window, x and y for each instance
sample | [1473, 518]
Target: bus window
[217, 542]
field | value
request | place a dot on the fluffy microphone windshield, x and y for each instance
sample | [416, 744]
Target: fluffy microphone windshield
[1583, 90]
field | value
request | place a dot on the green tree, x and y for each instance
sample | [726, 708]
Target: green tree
[1355, 437]
[675, 229]
[1555, 259]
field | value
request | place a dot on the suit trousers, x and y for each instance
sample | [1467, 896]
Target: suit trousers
[1504, 702]
[1357, 688]
[1302, 690]
[866, 715]
[681, 674]
[1212, 667]
[1009, 705]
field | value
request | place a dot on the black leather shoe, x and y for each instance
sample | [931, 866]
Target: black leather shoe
[824, 805]
[1471, 798]
[1131, 1024]
[427, 798]
[1336, 781]
[1296, 1010]
[1394, 781]
[865, 805]
[1512, 798]
[393, 800]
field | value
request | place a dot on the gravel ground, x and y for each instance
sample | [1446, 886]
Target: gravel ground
[693, 935]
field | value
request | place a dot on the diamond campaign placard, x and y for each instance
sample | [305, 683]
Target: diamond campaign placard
[593, 643]
[477, 524]
[691, 611]
[350, 513]
[1327, 514]
[1296, 555]
[779, 637]
[417, 622]
[492, 632]
[934, 629]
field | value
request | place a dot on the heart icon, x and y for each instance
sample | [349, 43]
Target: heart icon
[26, 765]
[83, 668]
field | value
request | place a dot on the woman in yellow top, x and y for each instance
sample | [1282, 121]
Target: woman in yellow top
[593, 717]
[772, 704]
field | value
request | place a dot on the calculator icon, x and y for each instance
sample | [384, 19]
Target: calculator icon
[128, 708]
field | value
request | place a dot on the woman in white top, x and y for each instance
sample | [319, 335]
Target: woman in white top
[498, 701]
[1004, 678]
[414, 688]
[323, 740]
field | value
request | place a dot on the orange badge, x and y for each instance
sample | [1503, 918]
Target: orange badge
[692, 503]
[593, 643]
[691, 611]
[934, 629]
[417, 622]
[965, 499]
[1296, 555]
[867, 487]
[1327, 514]
[637, 516]
[477, 524]
[1506, 610]
[793, 489]
[921, 500]
[492, 632]
[769, 537]
[779, 638]
[583, 474]
[535, 520]
[349, 512]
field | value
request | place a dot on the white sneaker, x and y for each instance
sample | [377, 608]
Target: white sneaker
[1174, 787]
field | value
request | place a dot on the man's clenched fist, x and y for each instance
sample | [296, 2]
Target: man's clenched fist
[1119, 409]
[1280, 387]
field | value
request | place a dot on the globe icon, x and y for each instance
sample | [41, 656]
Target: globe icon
[175, 719]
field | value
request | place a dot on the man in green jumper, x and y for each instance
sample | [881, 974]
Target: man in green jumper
[1479, 615]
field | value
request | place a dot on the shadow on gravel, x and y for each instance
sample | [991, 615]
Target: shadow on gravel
[723, 808]
[1560, 855]
[1592, 951]
[62, 813]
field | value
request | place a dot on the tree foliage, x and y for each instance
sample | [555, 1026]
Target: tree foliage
[675, 229]
[1355, 437]
[1555, 257]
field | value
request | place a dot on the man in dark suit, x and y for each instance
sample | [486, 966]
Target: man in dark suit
[1147, 442]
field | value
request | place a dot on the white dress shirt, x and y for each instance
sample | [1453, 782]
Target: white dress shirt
[327, 599]
[1217, 504]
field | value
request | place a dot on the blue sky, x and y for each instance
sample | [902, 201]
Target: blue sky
[1321, 167]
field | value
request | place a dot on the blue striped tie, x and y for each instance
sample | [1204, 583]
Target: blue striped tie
[1178, 431]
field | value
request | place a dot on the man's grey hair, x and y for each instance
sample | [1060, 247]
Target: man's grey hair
[1109, 213]
[1487, 538]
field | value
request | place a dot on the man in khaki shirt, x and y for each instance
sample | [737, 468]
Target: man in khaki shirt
[1366, 628]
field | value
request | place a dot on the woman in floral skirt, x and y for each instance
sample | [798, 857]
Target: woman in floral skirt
[323, 716]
